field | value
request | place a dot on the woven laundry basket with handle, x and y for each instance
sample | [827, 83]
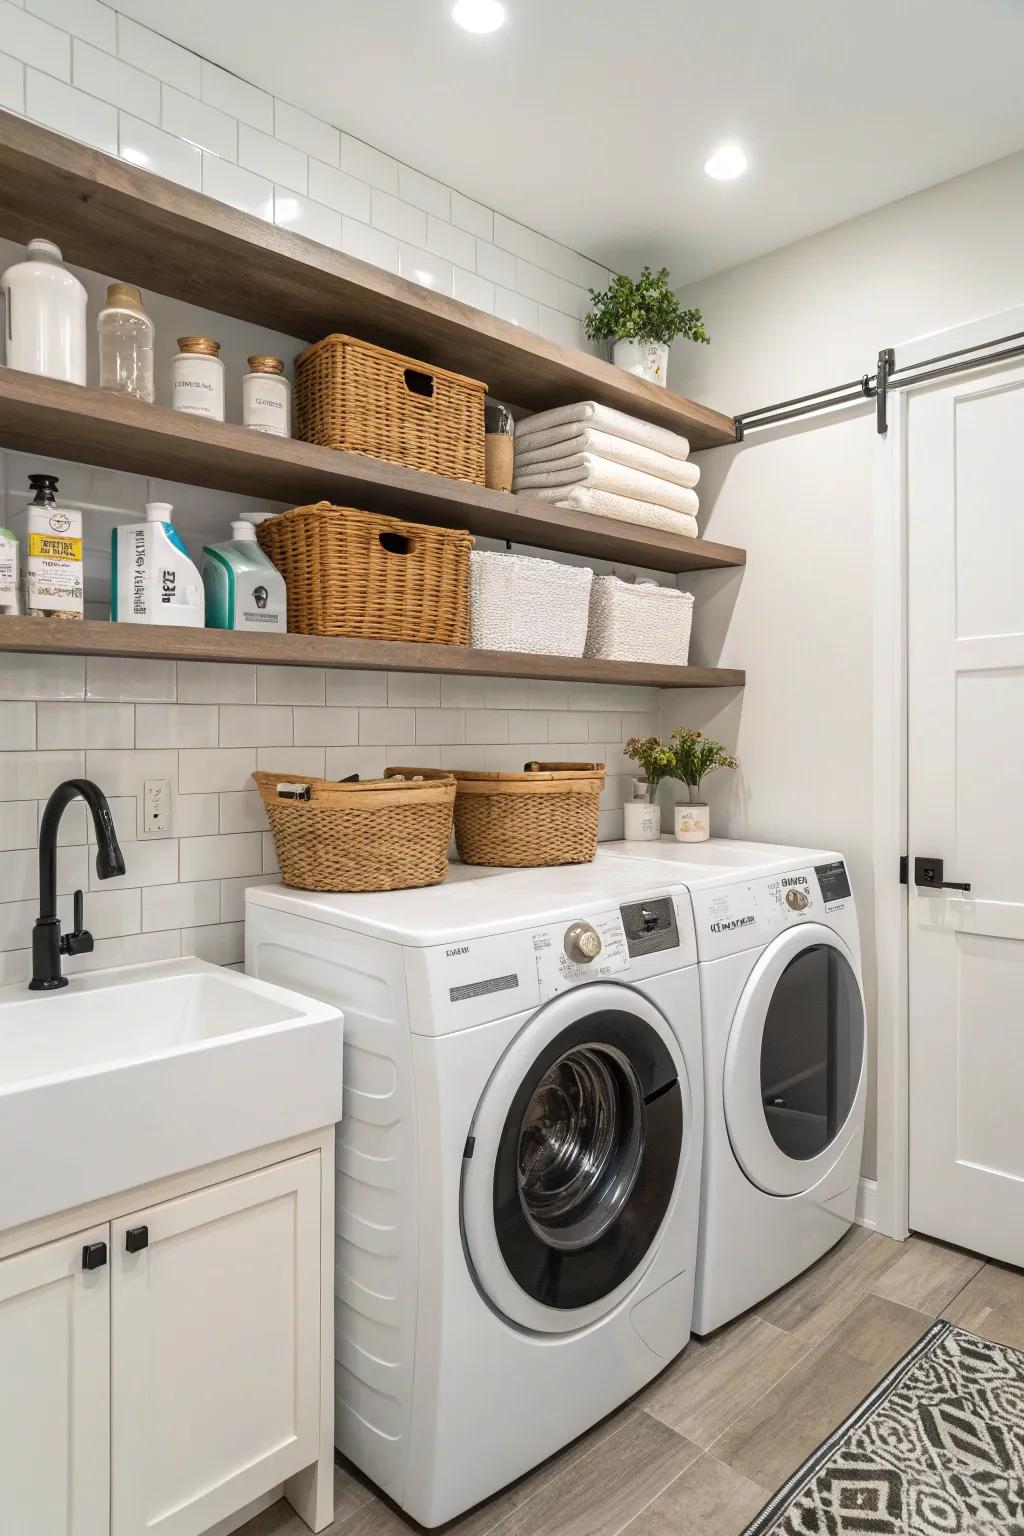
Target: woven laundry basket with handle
[548, 814]
[518, 603]
[639, 621]
[388, 834]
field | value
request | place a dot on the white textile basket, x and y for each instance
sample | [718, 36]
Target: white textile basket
[521, 604]
[639, 621]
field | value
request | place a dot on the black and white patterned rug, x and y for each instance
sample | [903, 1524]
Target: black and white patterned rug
[937, 1449]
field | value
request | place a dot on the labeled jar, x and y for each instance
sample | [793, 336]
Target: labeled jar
[126, 343]
[197, 378]
[266, 397]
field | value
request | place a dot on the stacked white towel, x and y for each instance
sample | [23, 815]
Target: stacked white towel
[595, 459]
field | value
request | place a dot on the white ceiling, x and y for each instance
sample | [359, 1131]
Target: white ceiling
[591, 119]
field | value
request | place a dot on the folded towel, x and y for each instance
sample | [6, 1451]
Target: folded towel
[623, 509]
[603, 475]
[531, 453]
[590, 413]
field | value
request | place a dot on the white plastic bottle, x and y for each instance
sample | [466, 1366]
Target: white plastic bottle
[152, 578]
[197, 378]
[266, 397]
[44, 315]
[126, 343]
[244, 589]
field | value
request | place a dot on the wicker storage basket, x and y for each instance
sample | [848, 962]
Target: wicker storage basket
[372, 577]
[352, 395]
[639, 621]
[384, 835]
[518, 603]
[545, 815]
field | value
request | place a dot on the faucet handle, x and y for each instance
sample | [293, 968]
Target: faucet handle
[80, 941]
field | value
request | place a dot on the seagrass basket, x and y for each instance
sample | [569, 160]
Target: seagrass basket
[352, 395]
[382, 835]
[372, 577]
[548, 814]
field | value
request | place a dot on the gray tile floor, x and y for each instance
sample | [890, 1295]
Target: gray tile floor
[699, 1451]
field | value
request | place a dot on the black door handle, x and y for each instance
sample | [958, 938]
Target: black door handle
[135, 1239]
[928, 874]
[94, 1255]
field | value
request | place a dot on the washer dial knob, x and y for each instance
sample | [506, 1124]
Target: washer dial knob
[797, 900]
[582, 943]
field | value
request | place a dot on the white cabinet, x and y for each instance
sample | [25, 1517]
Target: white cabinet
[215, 1343]
[54, 1398]
[163, 1368]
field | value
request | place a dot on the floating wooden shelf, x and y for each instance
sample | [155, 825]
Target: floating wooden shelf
[93, 637]
[92, 426]
[127, 223]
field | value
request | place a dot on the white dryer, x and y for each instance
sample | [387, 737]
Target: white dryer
[785, 1060]
[518, 1166]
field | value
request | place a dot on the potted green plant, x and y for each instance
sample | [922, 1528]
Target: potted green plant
[642, 817]
[642, 316]
[694, 756]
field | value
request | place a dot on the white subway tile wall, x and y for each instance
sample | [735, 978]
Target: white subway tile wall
[81, 68]
[184, 892]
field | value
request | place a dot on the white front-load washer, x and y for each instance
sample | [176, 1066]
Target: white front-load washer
[518, 1164]
[785, 1060]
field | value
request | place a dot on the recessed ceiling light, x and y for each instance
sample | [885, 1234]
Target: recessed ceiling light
[726, 163]
[479, 15]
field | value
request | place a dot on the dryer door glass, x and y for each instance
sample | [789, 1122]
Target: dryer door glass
[812, 1049]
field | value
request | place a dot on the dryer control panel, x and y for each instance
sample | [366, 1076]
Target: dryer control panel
[730, 918]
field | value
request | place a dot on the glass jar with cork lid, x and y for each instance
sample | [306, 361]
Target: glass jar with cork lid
[125, 335]
[266, 397]
[197, 378]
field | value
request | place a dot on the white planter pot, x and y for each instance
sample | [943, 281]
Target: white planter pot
[692, 823]
[647, 359]
[643, 821]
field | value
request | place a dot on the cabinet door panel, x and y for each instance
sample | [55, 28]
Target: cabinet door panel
[215, 1349]
[55, 1391]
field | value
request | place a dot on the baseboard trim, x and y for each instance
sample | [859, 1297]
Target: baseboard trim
[866, 1212]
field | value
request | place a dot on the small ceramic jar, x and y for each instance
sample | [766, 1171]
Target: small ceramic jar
[266, 397]
[197, 378]
[692, 822]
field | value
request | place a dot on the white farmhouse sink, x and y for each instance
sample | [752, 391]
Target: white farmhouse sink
[132, 1074]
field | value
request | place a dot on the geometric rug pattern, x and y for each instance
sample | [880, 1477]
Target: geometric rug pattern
[936, 1449]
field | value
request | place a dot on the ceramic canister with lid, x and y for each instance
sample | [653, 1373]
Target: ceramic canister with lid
[266, 397]
[44, 315]
[197, 378]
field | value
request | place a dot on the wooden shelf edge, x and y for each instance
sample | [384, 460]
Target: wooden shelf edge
[96, 637]
[115, 218]
[67, 421]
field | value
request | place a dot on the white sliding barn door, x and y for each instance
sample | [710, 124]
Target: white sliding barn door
[965, 500]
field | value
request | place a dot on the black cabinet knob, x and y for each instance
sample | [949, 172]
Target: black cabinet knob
[94, 1255]
[135, 1239]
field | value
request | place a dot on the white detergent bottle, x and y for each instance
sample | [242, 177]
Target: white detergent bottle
[152, 579]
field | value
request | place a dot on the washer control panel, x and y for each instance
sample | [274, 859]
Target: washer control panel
[650, 926]
[581, 951]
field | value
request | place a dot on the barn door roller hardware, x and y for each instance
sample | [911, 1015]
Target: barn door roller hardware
[877, 386]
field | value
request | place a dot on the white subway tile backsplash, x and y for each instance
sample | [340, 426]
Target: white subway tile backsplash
[125, 772]
[181, 906]
[237, 97]
[542, 694]
[111, 914]
[12, 83]
[131, 950]
[242, 811]
[554, 326]
[471, 289]
[126, 680]
[197, 815]
[220, 943]
[24, 675]
[326, 726]
[440, 726]
[517, 308]
[368, 164]
[423, 268]
[305, 217]
[18, 824]
[289, 685]
[238, 187]
[515, 237]
[85, 725]
[146, 863]
[175, 725]
[35, 775]
[527, 725]
[484, 726]
[506, 693]
[309, 134]
[158, 56]
[69, 111]
[496, 265]
[386, 727]
[19, 872]
[199, 124]
[18, 728]
[339, 190]
[162, 153]
[354, 687]
[213, 858]
[537, 284]
[573, 300]
[88, 19]
[472, 217]
[222, 768]
[453, 244]
[396, 218]
[368, 244]
[255, 725]
[217, 682]
[423, 192]
[567, 726]
[409, 689]
[463, 692]
[232, 895]
[267, 156]
[292, 760]
[34, 41]
[111, 80]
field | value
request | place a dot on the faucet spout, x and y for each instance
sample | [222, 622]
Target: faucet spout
[47, 942]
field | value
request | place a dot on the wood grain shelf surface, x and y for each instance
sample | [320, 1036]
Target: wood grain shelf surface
[92, 426]
[127, 223]
[94, 637]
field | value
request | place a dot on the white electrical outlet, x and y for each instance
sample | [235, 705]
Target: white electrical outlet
[156, 808]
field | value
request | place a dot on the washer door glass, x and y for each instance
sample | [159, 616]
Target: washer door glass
[795, 1066]
[811, 1051]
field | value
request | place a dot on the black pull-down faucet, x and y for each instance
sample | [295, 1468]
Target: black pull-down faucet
[48, 944]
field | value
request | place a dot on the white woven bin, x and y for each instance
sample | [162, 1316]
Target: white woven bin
[639, 621]
[521, 604]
